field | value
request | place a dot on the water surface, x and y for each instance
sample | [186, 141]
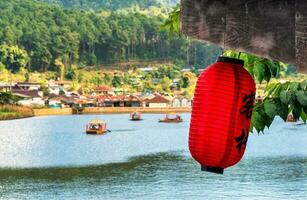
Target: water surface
[51, 158]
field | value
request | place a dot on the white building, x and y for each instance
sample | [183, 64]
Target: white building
[157, 102]
[30, 98]
[56, 87]
[181, 102]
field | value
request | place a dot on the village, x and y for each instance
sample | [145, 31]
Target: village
[58, 96]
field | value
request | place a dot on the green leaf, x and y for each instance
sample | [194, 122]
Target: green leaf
[303, 85]
[260, 119]
[273, 70]
[271, 88]
[285, 97]
[301, 96]
[296, 109]
[259, 71]
[267, 72]
[257, 121]
[282, 110]
[285, 86]
[269, 122]
[277, 91]
[294, 86]
[270, 108]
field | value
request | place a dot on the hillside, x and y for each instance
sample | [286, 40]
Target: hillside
[45, 37]
[111, 4]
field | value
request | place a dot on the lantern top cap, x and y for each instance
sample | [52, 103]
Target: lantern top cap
[230, 60]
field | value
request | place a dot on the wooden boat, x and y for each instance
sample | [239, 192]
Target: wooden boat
[291, 118]
[96, 127]
[135, 116]
[171, 118]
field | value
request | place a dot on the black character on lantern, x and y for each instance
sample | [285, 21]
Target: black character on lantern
[247, 108]
[242, 140]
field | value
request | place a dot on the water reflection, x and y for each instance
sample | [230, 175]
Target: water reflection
[51, 158]
[166, 175]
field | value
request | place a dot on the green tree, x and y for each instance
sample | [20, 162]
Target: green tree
[60, 68]
[13, 57]
[116, 81]
[7, 98]
[47, 32]
[186, 82]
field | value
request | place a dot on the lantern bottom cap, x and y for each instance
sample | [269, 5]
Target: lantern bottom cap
[216, 170]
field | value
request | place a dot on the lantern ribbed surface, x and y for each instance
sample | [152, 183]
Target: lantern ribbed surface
[221, 115]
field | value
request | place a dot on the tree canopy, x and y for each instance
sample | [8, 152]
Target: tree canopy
[111, 4]
[86, 38]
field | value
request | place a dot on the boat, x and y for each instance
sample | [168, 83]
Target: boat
[135, 116]
[291, 118]
[171, 118]
[96, 127]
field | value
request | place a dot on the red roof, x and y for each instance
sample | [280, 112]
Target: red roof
[103, 88]
[118, 98]
[105, 98]
[82, 101]
[158, 99]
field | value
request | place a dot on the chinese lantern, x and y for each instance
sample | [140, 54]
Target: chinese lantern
[221, 115]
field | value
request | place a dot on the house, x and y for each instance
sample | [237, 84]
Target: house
[105, 101]
[29, 97]
[58, 87]
[132, 101]
[55, 101]
[82, 103]
[157, 102]
[181, 102]
[27, 86]
[5, 87]
[118, 101]
[103, 90]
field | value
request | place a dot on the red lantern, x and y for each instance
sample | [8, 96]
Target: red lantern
[221, 115]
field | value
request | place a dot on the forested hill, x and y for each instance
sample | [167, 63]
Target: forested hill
[46, 34]
[111, 4]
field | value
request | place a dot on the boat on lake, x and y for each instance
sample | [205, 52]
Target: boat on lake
[135, 116]
[171, 118]
[96, 127]
[291, 118]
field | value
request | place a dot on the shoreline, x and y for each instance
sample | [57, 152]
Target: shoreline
[15, 118]
[13, 112]
[108, 110]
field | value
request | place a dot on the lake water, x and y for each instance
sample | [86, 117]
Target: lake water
[51, 158]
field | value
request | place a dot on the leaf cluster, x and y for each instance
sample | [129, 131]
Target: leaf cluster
[281, 100]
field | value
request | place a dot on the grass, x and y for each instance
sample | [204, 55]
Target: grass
[8, 112]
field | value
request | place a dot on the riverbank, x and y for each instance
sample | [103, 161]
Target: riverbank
[10, 112]
[108, 110]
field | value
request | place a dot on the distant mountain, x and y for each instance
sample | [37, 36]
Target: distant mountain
[111, 4]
